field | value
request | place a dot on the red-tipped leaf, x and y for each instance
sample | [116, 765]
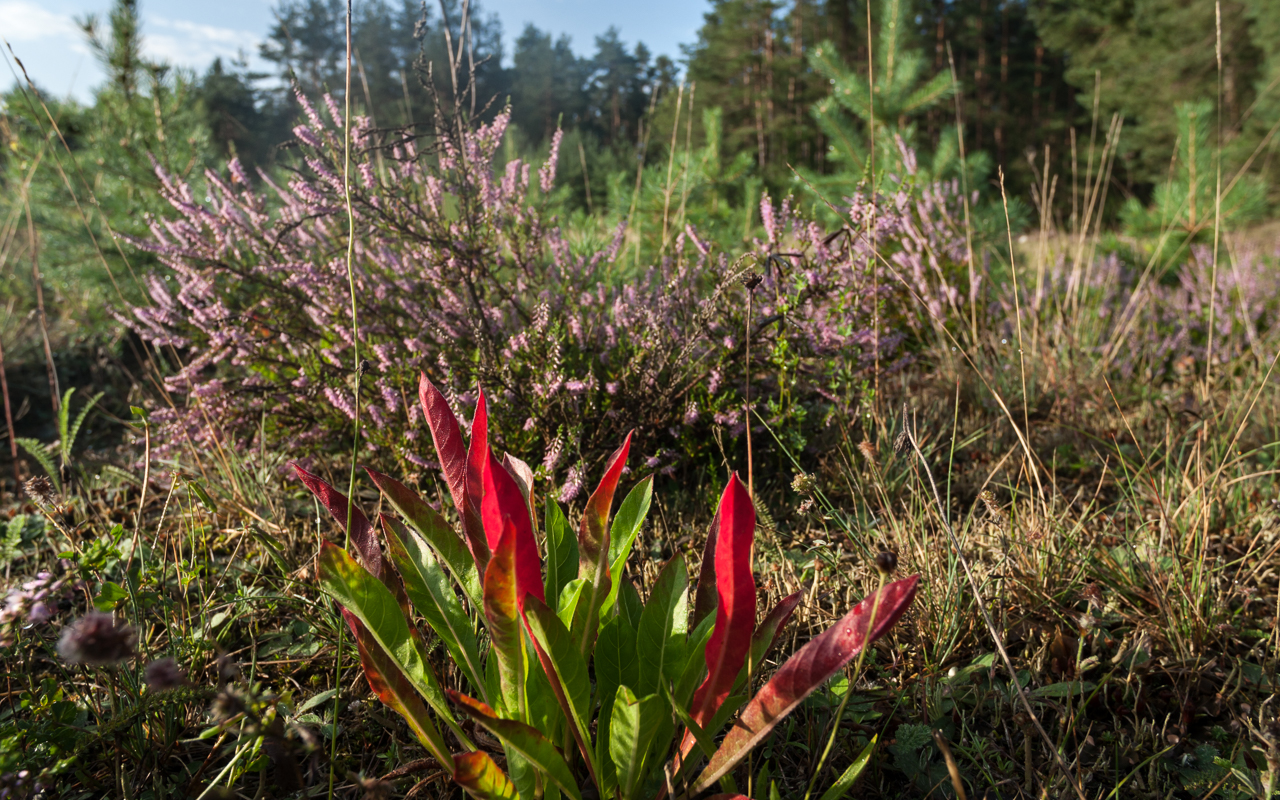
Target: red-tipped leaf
[481, 778]
[813, 665]
[394, 689]
[504, 509]
[593, 532]
[526, 741]
[478, 457]
[501, 610]
[361, 531]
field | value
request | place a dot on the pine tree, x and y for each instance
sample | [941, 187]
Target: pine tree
[1184, 208]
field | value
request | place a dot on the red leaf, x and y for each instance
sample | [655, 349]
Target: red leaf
[593, 532]
[736, 601]
[453, 462]
[476, 772]
[809, 668]
[362, 535]
[503, 509]
[478, 455]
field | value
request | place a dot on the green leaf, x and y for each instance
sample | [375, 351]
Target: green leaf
[373, 604]
[562, 550]
[615, 665]
[660, 637]
[41, 453]
[850, 776]
[569, 599]
[694, 663]
[69, 436]
[432, 594]
[566, 669]
[622, 535]
[1067, 689]
[631, 730]
[428, 524]
[110, 596]
[524, 740]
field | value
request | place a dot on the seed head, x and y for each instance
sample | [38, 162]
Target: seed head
[96, 639]
[40, 489]
[887, 562]
[901, 443]
[752, 281]
[803, 483]
[869, 451]
[988, 500]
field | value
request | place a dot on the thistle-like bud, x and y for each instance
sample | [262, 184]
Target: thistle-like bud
[163, 675]
[752, 281]
[40, 489]
[96, 639]
[886, 562]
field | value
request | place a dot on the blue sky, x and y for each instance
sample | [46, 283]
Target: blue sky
[43, 33]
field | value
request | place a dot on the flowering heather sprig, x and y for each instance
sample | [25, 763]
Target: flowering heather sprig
[97, 639]
[34, 602]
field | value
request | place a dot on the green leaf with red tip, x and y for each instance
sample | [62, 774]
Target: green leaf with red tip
[361, 530]
[735, 601]
[428, 524]
[593, 532]
[374, 605]
[526, 741]
[394, 689]
[804, 672]
[432, 595]
[501, 610]
[593, 544]
[565, 669]
[481, 778]
[504, 509]
[447, 436]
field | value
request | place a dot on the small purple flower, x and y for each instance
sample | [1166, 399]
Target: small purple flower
[96, 639]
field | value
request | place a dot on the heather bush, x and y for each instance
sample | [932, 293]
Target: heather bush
[462, 272]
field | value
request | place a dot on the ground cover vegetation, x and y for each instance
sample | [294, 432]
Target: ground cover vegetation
[880, 404]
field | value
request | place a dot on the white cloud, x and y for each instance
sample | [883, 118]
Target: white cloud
[27, 22]
[192, 44]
